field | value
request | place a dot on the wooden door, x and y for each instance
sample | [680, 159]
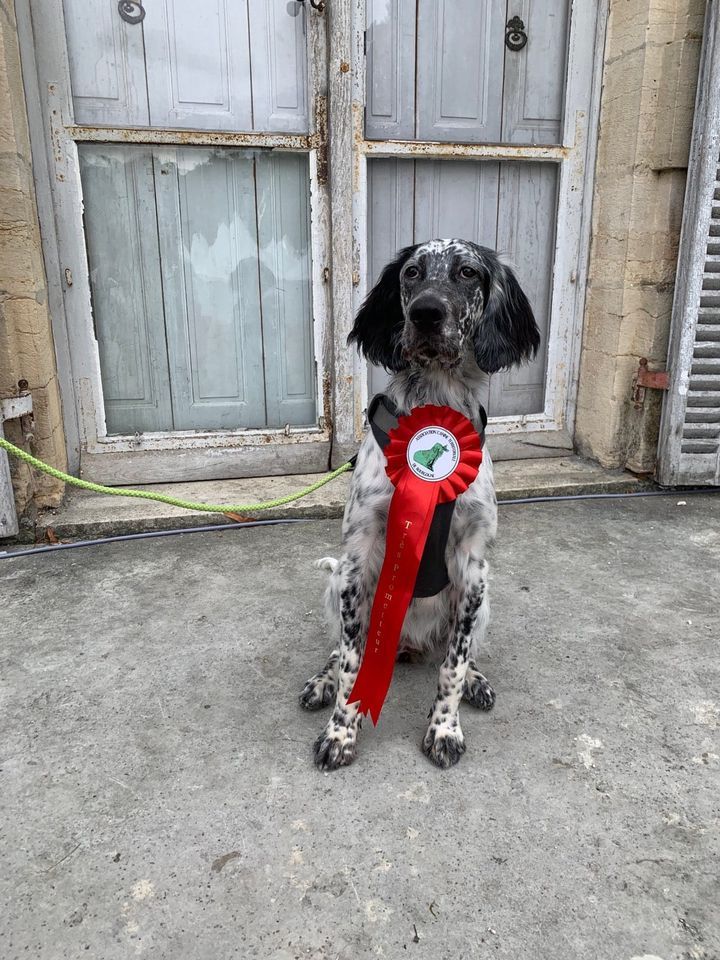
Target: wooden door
[467, 129]
[506, 206]
[192, 231]
[194, 335]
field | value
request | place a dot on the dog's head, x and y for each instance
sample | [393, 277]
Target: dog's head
[439, 300]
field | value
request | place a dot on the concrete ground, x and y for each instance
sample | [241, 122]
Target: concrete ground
[158, 796]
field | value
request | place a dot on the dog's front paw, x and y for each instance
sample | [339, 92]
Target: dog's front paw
[444, 744]
[318, 692]
[477, 691]
[335, 747]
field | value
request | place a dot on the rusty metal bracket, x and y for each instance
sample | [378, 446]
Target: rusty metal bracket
[646, 379]
[319, 139]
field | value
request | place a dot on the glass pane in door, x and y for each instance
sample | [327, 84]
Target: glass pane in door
[200, 279]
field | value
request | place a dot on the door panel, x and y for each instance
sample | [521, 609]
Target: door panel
[198, 64]
[460, 63]
[206, 203]
[106, 59]
[468, 85]
[456, 198]
[208, 325]
[391, 218]
[284, 266]
[506, 206]
[279, 67]
[390, 39]
[535, 76]
[391, 192]
[122, 241]
[526, 238]
[188, 65]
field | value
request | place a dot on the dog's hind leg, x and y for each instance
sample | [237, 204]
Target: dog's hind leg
[320, 690]
[444, 742]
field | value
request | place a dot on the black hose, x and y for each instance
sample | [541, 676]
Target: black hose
[8, 554]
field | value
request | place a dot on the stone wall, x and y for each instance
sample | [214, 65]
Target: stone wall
[26, 344]
[650, 74]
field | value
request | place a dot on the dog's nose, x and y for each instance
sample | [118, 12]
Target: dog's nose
[427, 313]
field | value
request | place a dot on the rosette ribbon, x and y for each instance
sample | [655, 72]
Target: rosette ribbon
[433, 456]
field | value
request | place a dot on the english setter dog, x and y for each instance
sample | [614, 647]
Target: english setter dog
[442, 316]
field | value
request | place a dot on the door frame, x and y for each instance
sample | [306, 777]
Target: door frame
[164, 455]
[549, 433]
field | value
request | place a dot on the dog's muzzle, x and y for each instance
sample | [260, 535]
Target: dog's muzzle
[428, 313]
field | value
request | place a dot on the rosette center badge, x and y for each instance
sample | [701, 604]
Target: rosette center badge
[433, 453]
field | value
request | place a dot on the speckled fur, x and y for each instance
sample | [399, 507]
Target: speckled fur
[438, 366]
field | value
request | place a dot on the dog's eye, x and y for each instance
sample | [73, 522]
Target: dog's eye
[467, 273]
[411, 273]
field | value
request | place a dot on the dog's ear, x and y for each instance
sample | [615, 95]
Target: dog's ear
[378, 325]
[507, 333]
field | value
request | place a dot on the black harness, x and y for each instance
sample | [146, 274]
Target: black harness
[433, 573]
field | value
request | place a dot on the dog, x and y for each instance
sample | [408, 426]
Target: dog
[442, 316]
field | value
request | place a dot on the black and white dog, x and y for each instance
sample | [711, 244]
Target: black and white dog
[442, 315]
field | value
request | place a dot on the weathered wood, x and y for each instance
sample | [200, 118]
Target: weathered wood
[198, 67]
[534, 86]
[279, 65]
[81, 370]
[107, 64]
[436, 150]
[121, 226]
[527, 201]
[542, 395]
[345, 385]
[8, 517]
[320, 220]
[207, 463]
[459, 70]
[206, 204]
[681, 461]
[341, 271]
[390, 46]
[285, 288]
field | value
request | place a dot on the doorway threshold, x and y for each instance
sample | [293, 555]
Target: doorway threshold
[87, 515]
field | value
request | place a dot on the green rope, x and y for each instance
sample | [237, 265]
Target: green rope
[163, 497]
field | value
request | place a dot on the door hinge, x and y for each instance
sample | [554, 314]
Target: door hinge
[646, 379]
[320, 139]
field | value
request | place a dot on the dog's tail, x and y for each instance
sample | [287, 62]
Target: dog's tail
[327, 563]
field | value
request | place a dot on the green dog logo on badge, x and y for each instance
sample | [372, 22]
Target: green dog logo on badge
[428, 458]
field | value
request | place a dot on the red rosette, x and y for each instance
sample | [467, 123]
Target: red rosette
[433, 456]
[448, 419]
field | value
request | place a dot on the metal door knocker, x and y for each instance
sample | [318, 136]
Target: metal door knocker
[515, 36]
[131, 11]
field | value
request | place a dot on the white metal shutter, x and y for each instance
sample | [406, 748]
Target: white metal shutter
[689, 450]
